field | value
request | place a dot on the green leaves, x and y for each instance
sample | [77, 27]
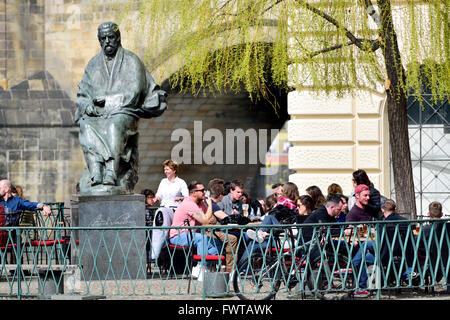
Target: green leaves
[325, 45]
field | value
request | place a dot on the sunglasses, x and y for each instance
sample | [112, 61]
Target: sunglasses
[201, 190]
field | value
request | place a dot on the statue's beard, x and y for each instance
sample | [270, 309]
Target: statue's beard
[110, 51]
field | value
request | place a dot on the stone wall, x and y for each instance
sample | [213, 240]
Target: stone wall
[71, 38]
[21, 40]
[39, 145]
[219, 111]
[44, 47]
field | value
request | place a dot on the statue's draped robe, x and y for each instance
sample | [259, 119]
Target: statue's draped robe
[130, 93]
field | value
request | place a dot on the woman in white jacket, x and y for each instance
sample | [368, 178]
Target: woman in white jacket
[172, 189]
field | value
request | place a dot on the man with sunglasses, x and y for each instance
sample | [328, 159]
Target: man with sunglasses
[195, 211]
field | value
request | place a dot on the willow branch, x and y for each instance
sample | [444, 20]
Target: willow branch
[373, 14]
[248, 8]
[175, 47]
[271, 6]
[329, 49]
[363, 44]
[224, 5]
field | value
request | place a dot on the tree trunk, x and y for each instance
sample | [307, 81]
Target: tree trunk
[397, 115]
[401, 156]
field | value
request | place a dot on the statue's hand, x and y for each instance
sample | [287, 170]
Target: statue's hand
[99, 102]
[91, 111]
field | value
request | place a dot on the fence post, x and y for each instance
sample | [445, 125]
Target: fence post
[378, 259]
[203, 268]
[18, 262]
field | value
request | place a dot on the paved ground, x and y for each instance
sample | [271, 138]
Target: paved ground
[159, 288]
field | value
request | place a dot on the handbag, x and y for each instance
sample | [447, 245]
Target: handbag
[283, 214]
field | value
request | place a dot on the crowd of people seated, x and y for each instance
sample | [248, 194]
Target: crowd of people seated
[178, 204]
[221, 202]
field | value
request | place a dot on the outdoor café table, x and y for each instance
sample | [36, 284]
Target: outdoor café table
[238, 230]
[362, 235]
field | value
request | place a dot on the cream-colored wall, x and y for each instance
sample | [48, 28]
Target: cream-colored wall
[332, 137]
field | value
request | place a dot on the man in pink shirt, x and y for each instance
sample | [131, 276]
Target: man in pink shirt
[197, 212]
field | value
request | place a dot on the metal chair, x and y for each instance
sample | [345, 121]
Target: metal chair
[50, 243]
[167, 262]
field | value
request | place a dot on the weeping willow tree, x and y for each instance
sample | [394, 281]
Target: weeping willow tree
[329, 46]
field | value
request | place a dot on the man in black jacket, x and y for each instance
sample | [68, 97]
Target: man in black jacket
[438, 251]
[390, 241]
[434, 212]
[324, 214]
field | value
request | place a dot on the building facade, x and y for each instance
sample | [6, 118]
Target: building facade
[45, 46]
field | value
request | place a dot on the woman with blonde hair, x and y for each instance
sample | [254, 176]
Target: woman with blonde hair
[334, 188]
[172, 189]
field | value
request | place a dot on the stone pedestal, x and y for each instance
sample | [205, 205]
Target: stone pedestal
[107, 253]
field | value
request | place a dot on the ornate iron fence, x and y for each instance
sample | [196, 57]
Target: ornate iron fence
[43, 262]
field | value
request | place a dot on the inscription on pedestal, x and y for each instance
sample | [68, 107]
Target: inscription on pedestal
[114, 249]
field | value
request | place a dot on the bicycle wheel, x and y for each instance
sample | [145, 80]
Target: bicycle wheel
[331, 280]
[257, 278]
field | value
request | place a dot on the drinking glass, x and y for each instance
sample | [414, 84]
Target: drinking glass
[360, 229]
[245, 209]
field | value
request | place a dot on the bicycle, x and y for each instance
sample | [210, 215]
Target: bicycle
[316, 264]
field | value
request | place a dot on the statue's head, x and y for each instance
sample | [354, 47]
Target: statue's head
[109, 37]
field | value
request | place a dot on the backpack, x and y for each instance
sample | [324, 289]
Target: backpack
[382, 200]
[380, 215]
[283, 214]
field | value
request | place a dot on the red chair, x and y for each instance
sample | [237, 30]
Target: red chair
[215, 259]
[3, 233]
[7, 240]
[169, 254]
[50, 243]
[187, 253]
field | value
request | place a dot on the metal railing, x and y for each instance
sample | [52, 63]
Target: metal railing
[49, 261]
